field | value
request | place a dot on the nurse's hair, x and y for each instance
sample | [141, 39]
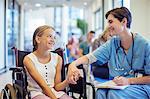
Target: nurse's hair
[39, 32]
[121, 13]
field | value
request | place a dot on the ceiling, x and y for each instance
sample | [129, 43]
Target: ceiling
[30, 4]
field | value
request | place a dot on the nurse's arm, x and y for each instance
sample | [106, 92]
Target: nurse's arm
[73, 70]
[140, 80]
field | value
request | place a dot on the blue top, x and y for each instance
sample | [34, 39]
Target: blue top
[69, 56]
[119, 62]
[85, 47]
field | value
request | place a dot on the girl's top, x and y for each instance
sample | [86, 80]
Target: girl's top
[47, 71]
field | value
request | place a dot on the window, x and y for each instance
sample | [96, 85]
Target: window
[117, 3]
[120, 3]
[12, 29]
[74, 14]
[98, 19]
[58, 19]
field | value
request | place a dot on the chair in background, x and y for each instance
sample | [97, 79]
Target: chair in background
[100, 71]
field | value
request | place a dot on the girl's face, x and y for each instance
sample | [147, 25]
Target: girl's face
[115, 26]
[47, 40]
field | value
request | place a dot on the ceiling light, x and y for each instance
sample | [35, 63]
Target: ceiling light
[85, 3]
[37, 5]
[25, 4]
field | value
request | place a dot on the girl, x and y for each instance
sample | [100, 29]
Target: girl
[44, 67]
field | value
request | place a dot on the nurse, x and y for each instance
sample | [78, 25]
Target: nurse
[128, 57]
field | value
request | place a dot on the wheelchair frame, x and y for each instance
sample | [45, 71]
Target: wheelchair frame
[18, 89]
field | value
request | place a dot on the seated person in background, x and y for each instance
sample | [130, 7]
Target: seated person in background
[72, 49]
[44, 67]
[103, 37]
[84, 47]
[59, 43]
[100, 71]
[128, 57]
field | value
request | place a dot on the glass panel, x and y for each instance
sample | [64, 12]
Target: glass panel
[98, 19]
[117, 3]
[12, 30]
[34, 20]
[58, 19]
[74, 14]
[31, 25]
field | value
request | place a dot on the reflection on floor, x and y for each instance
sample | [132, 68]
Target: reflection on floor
[5, 78]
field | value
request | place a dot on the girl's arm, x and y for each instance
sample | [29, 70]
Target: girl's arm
[58, 84]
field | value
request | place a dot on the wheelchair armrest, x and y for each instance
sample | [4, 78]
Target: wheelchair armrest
[90, 84]
[16, 69]
[93, 88]
[80, 67]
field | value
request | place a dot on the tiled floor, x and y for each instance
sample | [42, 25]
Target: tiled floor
[5, 78]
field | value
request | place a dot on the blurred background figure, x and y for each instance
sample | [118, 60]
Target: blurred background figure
[100, 71]
[84, 47]
[72, 49]
[103, 37]
[58, 41]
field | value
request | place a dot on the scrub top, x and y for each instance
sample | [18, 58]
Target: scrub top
[119, 62]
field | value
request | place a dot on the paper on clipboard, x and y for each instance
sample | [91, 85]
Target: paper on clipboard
[110, 84]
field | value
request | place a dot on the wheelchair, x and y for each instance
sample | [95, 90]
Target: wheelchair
[18, 88]
[81, 87]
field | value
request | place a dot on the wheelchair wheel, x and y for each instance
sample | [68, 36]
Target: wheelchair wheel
[8, 92]
[19, 91]
[4, 94]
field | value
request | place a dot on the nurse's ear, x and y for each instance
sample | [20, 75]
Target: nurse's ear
[124, 21]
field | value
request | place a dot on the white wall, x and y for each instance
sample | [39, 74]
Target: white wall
[140, 10]
[141, 17]
[89, 13]
[21, 34]
[36, 18]
[107, 7]
[89, 16]
[65, 23]
[1, 33]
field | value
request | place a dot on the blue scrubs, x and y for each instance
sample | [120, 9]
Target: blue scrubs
[137, 58]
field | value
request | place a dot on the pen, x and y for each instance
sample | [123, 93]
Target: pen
[122, 75]
[126, 73]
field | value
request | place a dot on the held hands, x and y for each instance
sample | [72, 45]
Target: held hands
[73, 74]
[120, 80]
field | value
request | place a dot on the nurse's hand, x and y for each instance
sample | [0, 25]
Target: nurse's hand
[120, 81]
[73, 73]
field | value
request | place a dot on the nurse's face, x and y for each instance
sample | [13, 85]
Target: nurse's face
[115, 26]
